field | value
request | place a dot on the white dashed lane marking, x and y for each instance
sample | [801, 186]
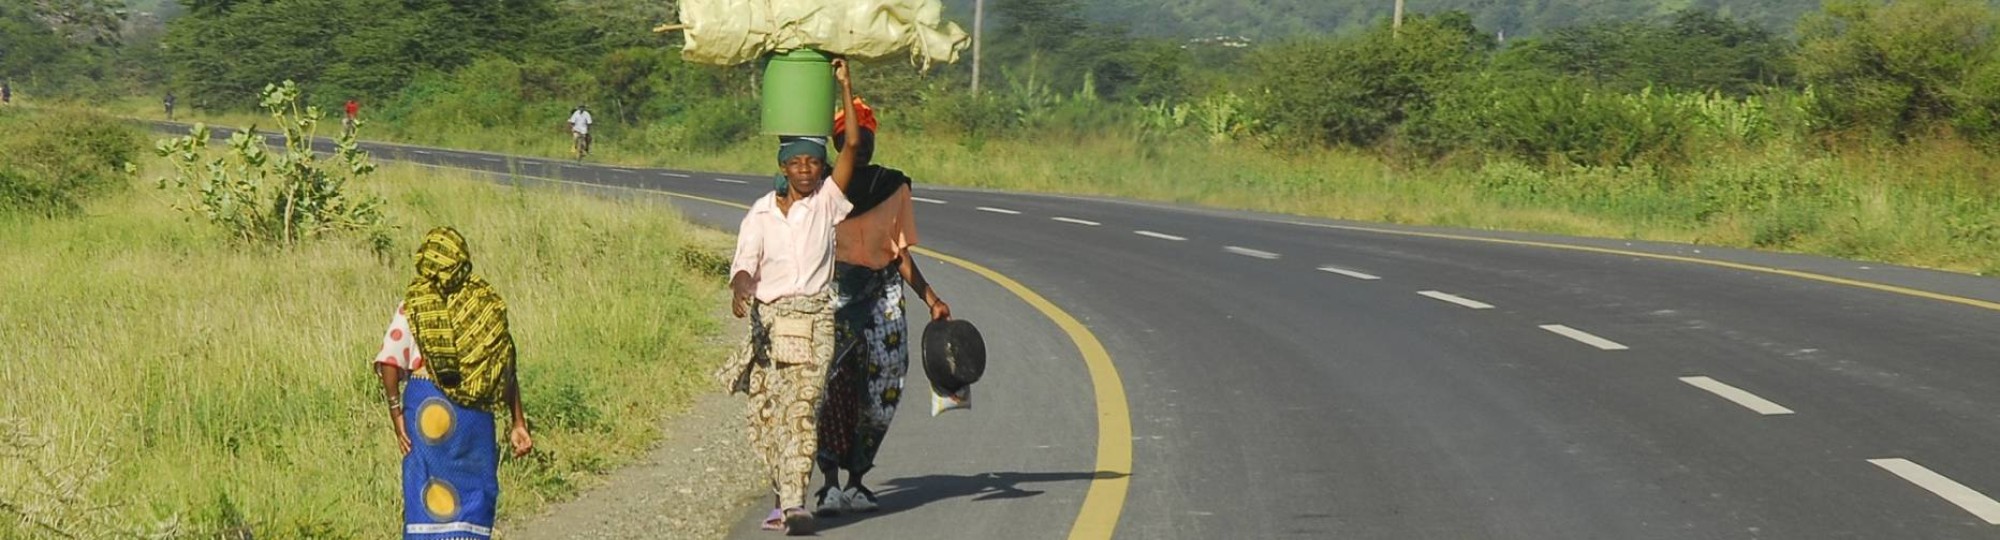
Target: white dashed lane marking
[1456, 299]
[1737, 395]
[998, 210]
[1348, 273]
[1981, 506]
[730, 181]
[1076, 221]
[1584, 337]
[1247, 252]
[926, 200]
[1162, 236]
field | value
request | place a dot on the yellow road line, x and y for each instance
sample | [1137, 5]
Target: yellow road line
[1098, 517]
[1106, 499]
[1906, 291]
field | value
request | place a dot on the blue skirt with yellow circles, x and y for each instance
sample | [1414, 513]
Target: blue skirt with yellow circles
[451, 483]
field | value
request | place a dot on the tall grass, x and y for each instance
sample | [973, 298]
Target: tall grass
[1655, 165]
[211, 387]
[1925, 205]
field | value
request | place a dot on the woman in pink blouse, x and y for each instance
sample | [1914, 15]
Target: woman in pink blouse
[780, 278]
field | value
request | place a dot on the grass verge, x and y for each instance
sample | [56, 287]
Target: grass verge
[169, 379]
[1926, 205]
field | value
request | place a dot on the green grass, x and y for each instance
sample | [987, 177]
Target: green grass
[1925, 205]
[184, 380]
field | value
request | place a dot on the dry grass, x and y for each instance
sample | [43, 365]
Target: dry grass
[216, 386]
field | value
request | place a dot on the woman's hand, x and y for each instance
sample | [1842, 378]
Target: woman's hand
[741, 293]
[940, 311]
[523, 443]
[402, 436]
[840, 73]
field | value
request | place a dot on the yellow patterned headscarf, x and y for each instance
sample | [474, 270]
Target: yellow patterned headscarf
[460, 324]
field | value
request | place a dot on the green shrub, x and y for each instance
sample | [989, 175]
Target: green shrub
[1557, 120]
[259, 196]
[1355, 90]
[56, 162]
[1894, 70]
[719, 123]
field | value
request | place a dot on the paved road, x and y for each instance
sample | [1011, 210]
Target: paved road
[1290, 377]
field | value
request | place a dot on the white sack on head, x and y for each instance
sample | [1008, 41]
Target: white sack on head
[730, 32]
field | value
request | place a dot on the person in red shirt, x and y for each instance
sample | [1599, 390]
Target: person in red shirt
[347, 123]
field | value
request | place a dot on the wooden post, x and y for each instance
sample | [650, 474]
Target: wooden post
[1396, 24]
[978, 23]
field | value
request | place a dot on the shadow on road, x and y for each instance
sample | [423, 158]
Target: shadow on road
[903, 494]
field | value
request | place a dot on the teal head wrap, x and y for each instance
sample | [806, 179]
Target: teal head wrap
[791, 147]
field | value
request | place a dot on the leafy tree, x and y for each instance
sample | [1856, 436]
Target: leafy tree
[1895, 70]
[1355, 90]
[1693, 50]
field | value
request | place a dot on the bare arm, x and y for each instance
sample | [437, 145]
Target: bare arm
[392, 392]
[908, 267]
[523, 442]
[843, 166]
[741, 288]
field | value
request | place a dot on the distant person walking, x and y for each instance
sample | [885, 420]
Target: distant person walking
[6, 92]
[169, 103]
[347, 123]
[447, 365]
[579, 130]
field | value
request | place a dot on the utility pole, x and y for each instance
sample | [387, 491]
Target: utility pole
[979, 22]
[1396, 25]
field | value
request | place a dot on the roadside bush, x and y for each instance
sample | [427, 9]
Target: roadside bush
[718, 123]
[54, 163]
[1557, 120]
[1895, 70]
[263, 197]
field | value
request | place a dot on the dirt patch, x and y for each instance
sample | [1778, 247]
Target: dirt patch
[695, 484]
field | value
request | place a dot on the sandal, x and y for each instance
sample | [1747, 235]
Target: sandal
[798, 522]
[830, 502]
[859, 499]
[775, 521]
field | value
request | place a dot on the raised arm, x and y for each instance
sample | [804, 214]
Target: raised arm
[844, 166]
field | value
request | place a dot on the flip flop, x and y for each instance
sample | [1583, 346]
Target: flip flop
[859, 499]
[798, 522]
[775, 521]
[831, 502]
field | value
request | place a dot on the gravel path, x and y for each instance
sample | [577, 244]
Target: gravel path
[694, 484]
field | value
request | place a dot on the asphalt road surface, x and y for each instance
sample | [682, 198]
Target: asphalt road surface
[1292, 377]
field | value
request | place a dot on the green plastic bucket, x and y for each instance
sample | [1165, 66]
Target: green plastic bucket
[798, 94]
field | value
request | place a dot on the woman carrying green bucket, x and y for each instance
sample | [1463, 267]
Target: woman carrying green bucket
[780, 277]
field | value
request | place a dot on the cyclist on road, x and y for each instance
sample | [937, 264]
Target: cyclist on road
[579, 129]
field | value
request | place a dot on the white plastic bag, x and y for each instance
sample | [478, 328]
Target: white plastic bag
[731, 32]
[958, 400]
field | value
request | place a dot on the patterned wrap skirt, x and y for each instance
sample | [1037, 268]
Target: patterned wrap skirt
[451, 482]
[865, 384]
